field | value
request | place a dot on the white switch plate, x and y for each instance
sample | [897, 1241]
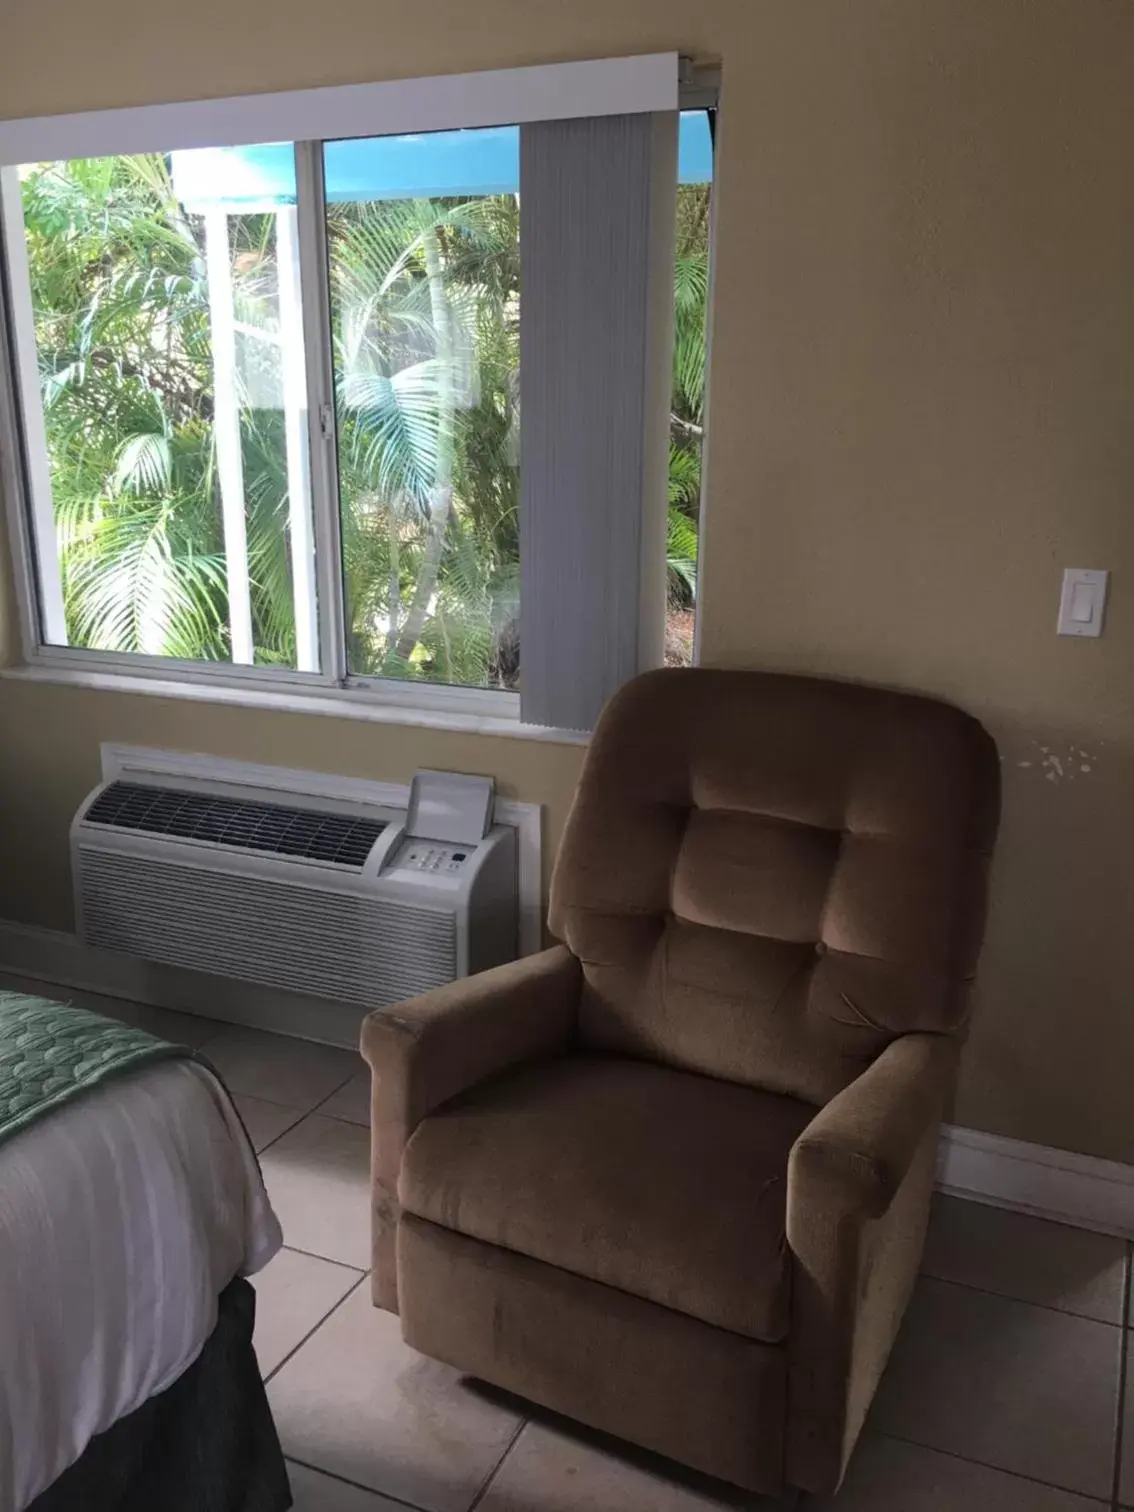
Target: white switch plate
[1082, 602]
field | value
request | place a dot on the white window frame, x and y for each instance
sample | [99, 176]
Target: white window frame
[308, 118]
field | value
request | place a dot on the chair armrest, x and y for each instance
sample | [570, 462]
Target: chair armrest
[858, 1149]
[423, 1052]
[860, 1178]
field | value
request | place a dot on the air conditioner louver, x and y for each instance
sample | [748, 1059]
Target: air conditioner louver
[242, 823]
[356, 949]
[324, 896]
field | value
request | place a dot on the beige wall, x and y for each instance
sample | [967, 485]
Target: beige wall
[923, 408]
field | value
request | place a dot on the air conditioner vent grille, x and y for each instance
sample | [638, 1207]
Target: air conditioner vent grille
[329, 944]
[243, 823]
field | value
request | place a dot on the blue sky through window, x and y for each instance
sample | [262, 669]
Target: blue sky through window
[430, 165]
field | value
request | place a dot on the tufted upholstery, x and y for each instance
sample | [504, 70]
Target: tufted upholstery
[768, 878]
[672, 1175]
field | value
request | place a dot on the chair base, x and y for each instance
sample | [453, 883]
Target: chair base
[709, 1399]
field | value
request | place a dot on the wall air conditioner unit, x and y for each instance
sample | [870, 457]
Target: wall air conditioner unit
[325, 897]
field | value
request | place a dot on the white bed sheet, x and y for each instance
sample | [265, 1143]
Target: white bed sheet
[122, 1218]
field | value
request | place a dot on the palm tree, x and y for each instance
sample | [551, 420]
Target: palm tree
[427, 338]
[426, 343]
[122, 329]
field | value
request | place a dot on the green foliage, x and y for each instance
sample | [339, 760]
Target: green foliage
[426, 345]
[426, 328]
[691, 292]
[681, 548]
[122, 329]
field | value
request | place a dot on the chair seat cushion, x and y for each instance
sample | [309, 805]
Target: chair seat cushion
[667, 1185]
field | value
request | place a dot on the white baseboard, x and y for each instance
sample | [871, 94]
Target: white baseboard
[1080, 1190]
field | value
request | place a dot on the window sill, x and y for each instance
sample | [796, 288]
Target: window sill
[335, 703]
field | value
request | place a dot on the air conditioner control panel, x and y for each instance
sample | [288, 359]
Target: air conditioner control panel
[424, 856]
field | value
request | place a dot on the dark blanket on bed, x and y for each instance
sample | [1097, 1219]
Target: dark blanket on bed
[52, 1052]
[207, 1444]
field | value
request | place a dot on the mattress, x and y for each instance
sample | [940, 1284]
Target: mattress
[123, 1216]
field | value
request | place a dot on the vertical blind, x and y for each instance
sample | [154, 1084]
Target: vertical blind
[596, 232]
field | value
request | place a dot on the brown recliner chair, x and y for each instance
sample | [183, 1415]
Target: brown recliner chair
[671, 1177]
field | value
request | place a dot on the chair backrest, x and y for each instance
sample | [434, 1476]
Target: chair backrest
[768, 878]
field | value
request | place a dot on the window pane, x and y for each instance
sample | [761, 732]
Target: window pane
[164, 300]
[423, 241]
[687, 410]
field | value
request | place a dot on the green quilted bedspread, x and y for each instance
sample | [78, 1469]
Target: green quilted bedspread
[51, 1053]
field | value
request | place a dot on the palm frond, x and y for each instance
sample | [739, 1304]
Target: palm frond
[681, 549]
[393, 428]
[684, 475]
[126, 589]
[145, 465]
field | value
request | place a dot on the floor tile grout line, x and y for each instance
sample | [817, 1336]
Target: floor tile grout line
[324, 1100]
[273, 1102]
[1120, 1394]
[290, 1039]
[1063, 1312]
[326, 1259]
[294, 1127]
[486, 1484]
[345, 1480]
[353, 1123]
[967, 1459]
[275, 1139]
[300, 1116]
[312, 1331]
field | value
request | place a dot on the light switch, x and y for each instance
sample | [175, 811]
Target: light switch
[1082, 601]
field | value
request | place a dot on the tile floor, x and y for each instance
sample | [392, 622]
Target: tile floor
[1006, 1392]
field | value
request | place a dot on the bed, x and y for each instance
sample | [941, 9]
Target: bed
[131, 1209]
